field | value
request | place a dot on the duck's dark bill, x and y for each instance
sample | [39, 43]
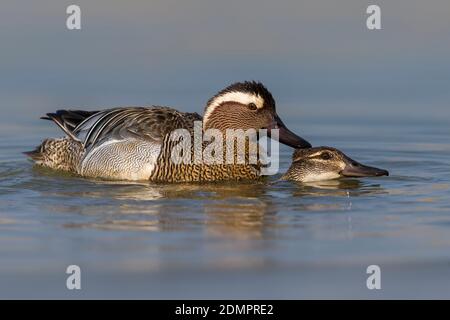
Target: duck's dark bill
[355, 169]
[286, 136]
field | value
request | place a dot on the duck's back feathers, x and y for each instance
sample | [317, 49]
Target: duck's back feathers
[148, 123]
[143, 123]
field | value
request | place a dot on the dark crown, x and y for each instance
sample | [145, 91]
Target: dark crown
[253, 87]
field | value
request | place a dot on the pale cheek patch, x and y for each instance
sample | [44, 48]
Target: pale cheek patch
[314, 177]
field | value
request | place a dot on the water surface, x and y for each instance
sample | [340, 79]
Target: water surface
[229, 240]
[381, 96]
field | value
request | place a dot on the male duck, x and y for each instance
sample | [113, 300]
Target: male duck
[132, 143]
[325, 163]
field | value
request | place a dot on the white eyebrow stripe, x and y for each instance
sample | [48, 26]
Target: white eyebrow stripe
[316, 154]
[237, 96]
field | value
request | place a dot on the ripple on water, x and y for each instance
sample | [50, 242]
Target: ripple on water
[187, 224]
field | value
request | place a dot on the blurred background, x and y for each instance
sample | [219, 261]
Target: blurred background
[381, 96]
[317, 57]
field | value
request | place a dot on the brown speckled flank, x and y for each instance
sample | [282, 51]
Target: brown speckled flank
[132, 143]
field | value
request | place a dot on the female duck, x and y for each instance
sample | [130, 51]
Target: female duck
[133, 143]
[325, 163]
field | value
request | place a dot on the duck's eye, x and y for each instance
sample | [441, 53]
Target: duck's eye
[252, 106]
[326, 156]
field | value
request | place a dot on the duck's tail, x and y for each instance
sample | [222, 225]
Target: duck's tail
[68, 120]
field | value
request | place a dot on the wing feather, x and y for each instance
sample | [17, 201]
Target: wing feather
[144, 123]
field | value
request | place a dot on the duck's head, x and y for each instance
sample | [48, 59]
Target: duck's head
[248, 105]
[325, 163]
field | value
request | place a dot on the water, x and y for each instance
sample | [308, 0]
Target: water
[380, 96]
[228, 240]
